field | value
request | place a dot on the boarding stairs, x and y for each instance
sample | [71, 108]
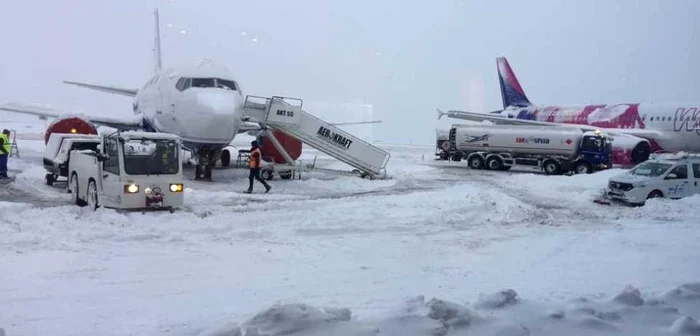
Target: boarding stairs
[286, 115]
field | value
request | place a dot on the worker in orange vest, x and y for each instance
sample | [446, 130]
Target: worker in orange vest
[255, 165]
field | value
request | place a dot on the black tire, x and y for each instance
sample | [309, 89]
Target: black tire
[286, 175]
[74, 189]
[583, 167]
[655, 194]
[494, 163]
[267, 174]
[476, 162]
[50, 179]
[93, 199]
[225, 158]
[552, 167]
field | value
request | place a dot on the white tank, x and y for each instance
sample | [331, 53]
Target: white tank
[518, 140]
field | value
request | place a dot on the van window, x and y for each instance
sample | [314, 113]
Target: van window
[681, 172]
[696, 170]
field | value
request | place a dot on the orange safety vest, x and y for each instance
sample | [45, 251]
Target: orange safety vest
[253, 163]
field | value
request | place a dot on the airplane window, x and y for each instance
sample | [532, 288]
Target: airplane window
[226, 84]
[183, 84]
[208, 83]
[203, 82]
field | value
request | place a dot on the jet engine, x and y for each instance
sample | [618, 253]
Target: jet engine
[629, 150]
[75, 125]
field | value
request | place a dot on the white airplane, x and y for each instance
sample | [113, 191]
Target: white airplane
[203, 104]
[637, 128]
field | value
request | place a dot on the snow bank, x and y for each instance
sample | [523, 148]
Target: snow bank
[499, 313]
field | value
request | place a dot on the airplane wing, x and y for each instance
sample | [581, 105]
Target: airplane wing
[473, 116]
[108, 89]
[43, 112]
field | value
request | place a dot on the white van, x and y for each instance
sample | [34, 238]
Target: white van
[663, 175]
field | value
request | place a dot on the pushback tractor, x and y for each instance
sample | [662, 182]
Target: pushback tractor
[129, 171]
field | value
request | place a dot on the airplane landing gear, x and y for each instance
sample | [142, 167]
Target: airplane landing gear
[206, 159]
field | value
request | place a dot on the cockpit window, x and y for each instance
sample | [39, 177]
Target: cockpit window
[186, 83]
[203, 82]
[183, 83]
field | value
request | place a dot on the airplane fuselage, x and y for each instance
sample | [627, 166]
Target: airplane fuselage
[679, 124]
[202, 105]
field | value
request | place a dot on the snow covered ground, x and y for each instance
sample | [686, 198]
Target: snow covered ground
[436, 249]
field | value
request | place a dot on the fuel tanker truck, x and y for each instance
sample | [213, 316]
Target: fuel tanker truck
[555, 150]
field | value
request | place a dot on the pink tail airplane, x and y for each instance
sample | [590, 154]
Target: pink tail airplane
[638, 129]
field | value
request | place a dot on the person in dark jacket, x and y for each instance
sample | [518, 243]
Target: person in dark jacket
[255, 165]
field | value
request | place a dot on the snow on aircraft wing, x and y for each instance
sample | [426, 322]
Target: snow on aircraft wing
[108, 89]
[134, 124]
[473, 116]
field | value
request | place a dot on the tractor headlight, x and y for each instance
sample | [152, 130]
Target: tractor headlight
[176, 187]
[131, 188]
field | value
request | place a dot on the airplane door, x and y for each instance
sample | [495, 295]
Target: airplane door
[678, 183]
[696, 177]
[111, 172]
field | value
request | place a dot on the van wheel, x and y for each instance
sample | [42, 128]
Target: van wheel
[286, 175]
[583, 168]
[92, 198]
[50, 179]
[655, 194]
[552, 167]
[75, 192]
[494, 163]
[476, 162]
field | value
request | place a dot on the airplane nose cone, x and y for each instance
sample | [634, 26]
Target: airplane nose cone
[223, 103]
[211, 119]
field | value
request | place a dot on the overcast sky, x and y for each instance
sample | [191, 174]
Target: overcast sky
[405, 58]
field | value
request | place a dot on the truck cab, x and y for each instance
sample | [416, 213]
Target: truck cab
[129, 170]
[596, 150]
[668, 175]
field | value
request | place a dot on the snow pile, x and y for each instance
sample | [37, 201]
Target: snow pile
[674, 212]
[498, 300]
[686, 325]
[499, 313]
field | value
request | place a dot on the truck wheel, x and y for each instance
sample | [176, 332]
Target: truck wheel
[494, 163]
[92, 198]
[583, 168]
[49, 180]
[476, 162]
[552, 167]
[73, 189]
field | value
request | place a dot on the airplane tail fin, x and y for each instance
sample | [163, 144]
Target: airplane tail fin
[511, 91]
[156, 44]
